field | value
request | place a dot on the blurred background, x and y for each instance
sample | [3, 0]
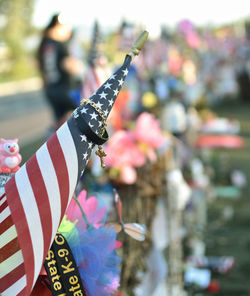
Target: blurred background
[198, 53]
[22, 24]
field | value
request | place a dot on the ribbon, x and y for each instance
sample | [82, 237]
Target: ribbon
[62, 270]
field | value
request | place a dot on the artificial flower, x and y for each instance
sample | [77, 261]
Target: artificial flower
[93, 245]
[124, 154]
[148, 131]
[94, 214]
[127, 150]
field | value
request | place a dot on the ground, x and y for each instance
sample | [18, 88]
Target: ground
[232, 238]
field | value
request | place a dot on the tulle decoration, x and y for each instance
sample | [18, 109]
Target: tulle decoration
[93, 245]
[97, 260]
[68, 227]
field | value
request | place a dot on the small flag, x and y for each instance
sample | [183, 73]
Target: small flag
[37, 196]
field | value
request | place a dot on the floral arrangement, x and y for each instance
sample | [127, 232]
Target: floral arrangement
[129, 149]
[92, 244]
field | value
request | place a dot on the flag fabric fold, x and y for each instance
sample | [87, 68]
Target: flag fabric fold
[37, 196]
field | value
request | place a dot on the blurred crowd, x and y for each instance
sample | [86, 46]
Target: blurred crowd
[189, 66]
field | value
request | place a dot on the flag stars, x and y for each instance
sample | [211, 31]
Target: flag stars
[84, 110]
[100, 123]
[116, 91]
[125, 72]
[107, 85]
[103, 95]
[90, 145]
[111, 102]
[121, 81]
[99, 105]
[85, 155]
[113, 77]
[75, 114]
[91, 125]
[94, 115]
[105, 112]
[83, 138]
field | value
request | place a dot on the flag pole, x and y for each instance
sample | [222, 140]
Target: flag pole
[138, 44]
[134, 50]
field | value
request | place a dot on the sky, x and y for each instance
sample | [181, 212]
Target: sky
[149, 13]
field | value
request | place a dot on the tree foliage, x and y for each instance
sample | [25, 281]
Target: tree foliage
[16, 16]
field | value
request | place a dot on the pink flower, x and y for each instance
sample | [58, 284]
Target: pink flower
[128, 174]
[147, 131]
[123, 154]
[122, 150]
[193, 40]
[94, 215]
[129, 149]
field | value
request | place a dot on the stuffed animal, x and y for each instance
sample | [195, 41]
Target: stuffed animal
[9, 156]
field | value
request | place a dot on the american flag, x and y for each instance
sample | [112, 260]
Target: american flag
[37, 196]
[104, 97]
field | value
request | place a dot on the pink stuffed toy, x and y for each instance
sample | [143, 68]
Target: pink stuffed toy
[9, 156]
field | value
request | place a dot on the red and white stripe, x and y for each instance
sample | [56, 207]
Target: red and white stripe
[12, 273]
[38, 196]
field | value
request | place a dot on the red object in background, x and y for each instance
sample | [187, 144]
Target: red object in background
[219, 141]
[119, 110]
[213, 287]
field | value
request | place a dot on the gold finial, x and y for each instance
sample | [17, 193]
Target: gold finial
[101, 154]
[139, 43]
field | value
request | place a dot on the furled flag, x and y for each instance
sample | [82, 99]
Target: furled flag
[97, 71]
[95, 44]
[37, 196]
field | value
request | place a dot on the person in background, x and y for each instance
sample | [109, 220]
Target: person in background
[59, 68]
